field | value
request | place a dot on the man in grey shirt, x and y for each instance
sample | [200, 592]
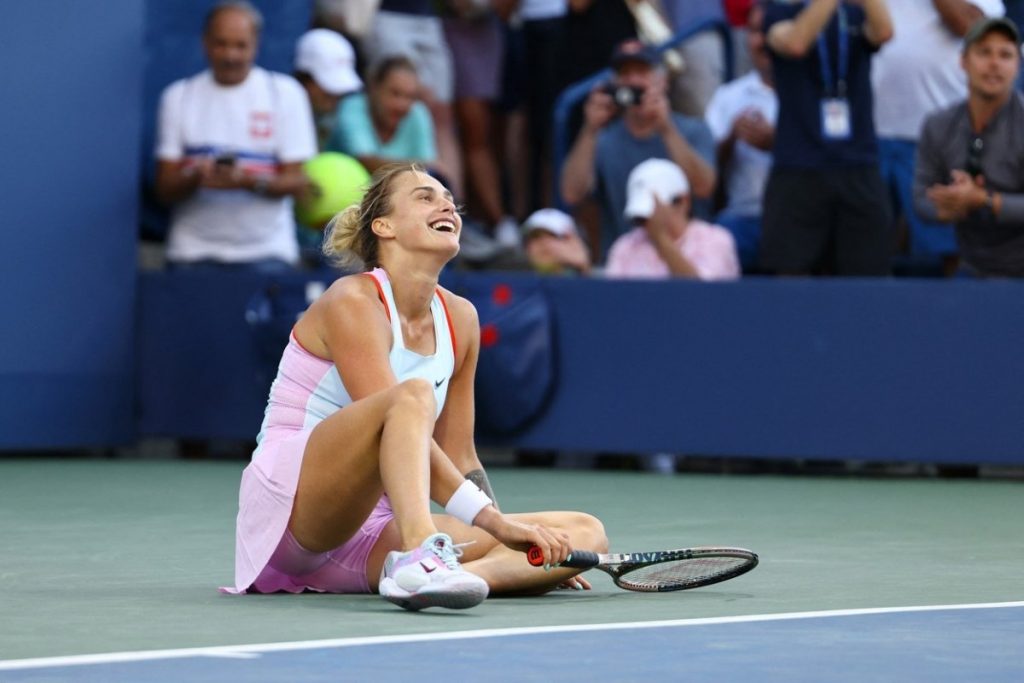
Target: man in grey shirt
[970, 159]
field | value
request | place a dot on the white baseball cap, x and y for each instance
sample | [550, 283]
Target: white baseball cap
[653, 178]
[329, 59]
[556, 222]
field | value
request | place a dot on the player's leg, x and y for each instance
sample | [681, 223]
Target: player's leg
[376, 444]
[507, 571]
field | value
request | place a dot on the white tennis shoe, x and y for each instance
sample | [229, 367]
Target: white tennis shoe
[430, 576]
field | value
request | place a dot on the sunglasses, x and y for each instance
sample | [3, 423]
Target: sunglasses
[974, 149]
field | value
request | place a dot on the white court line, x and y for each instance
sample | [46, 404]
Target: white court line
[252, 651]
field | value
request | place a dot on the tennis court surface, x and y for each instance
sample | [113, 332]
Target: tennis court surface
[110, 571]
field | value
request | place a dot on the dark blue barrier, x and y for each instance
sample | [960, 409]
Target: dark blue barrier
[578, 91]
[72, 82]
[882, 370]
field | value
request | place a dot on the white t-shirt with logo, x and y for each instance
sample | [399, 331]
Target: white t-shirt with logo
[264, 121]
[918, 71]
[749, 168]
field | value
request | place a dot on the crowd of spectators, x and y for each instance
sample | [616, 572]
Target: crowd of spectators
[859, 137]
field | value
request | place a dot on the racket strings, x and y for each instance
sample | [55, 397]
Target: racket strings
[681, 573]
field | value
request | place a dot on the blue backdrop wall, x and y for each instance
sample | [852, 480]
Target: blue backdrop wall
[80, 83]
[880, 370]
[71, 81]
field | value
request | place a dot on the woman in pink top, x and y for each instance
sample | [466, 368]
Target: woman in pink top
[667, 242]
[371, 417]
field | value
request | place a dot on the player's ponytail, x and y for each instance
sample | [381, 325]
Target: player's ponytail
[349, 238]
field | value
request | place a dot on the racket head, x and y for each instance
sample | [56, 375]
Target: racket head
[675, 570]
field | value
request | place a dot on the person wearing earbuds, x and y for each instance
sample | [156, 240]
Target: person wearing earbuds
[371, 418]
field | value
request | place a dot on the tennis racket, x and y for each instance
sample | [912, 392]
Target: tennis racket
[661, 570]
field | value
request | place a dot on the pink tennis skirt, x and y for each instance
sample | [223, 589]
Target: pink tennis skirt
[267, 557]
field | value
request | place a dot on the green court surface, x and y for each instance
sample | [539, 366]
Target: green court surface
[123, 555]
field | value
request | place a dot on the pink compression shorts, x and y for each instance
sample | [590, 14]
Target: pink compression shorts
[294, 569]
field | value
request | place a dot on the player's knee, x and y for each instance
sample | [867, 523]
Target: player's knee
[415, 395]
[592, 530]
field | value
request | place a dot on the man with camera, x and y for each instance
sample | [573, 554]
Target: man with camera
[230, 148]
[625, 122]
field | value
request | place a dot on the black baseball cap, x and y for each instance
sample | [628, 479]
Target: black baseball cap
[633, 50]
[982, 27]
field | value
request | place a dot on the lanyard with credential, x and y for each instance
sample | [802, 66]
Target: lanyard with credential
[842, 57]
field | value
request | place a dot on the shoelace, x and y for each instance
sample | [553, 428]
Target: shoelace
[450, 552]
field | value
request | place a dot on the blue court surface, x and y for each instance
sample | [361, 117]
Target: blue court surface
[955, 643]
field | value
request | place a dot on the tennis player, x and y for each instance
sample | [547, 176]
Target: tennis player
[371, 417]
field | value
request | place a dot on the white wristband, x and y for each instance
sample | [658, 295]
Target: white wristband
[467, 502]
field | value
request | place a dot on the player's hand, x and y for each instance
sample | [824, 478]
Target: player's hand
[577, 583]
[522, 536]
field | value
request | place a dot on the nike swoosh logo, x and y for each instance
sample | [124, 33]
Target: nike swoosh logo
[438, 383]
[426, 568]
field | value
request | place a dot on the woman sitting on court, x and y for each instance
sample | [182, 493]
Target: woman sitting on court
[371, 417]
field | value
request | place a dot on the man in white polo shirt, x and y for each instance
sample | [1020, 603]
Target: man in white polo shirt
[231, 143]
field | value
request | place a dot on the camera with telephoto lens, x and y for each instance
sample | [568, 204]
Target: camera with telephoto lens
[624, 96]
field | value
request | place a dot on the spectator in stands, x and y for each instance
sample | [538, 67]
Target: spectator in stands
[915, 74]
[553, 243]
[351, 18]
[667, 242]
[741, 116]
[737, 14]
[476, 39]
[325, 65]
[231, 143]
[969, 157]
[594, 29]
[412, 28]
[388, 122]
[625, 122]
[1015, 12]
[703, 53]
[824, 206]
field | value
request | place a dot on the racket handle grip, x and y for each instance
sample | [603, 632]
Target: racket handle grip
[581, 559]
[578, 559]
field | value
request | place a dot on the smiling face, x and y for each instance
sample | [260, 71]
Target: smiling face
[423, 216]
[991, 65]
